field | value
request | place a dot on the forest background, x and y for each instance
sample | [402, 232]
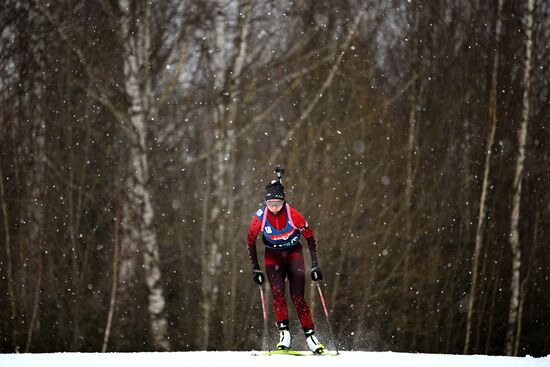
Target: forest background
[136, 139]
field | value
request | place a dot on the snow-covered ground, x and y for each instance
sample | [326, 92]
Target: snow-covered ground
[245, 359]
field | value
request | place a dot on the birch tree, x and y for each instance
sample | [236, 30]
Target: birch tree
[215, 242]
[136, 37]
[132, 40]
[230, 52]
[513, 313]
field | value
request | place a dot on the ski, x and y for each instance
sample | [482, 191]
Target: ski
[295, 353]
[289, 352]
[327, 353]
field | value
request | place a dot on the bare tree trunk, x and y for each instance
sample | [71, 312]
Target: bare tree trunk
[483, 305]
[12, 296]
[411, 143]
[74, 208]
[411, 154]
[228, 69]
[36, 300]
[35, 235]
[518, 178]
[491, 321]
[235, 94]
[114, 283]
[517, 336]
[205, 328]
[138, 89]
[230, 309]
[213, 256]
[525, 282]
[9, 265]
[216, 218]
[486, 174]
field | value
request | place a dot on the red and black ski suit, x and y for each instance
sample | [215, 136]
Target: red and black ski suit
[284, 259]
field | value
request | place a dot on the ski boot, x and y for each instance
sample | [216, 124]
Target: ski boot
[312, 342]
[285, 339]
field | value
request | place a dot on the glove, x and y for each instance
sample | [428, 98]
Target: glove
[316, 274]
[258, 276]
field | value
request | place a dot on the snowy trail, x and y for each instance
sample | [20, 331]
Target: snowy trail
[245, 359]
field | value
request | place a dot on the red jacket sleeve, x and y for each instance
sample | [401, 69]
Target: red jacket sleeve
[253, 230]
[303, 227]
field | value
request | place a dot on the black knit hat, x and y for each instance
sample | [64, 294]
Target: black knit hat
[275, 190]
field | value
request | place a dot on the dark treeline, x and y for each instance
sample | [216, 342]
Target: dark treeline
[136, 139]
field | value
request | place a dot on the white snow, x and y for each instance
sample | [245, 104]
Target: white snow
[245, 359]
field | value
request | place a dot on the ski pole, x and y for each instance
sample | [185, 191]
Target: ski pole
[265, 318]
[326, 315]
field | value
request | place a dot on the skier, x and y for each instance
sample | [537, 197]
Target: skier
[282, 225]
